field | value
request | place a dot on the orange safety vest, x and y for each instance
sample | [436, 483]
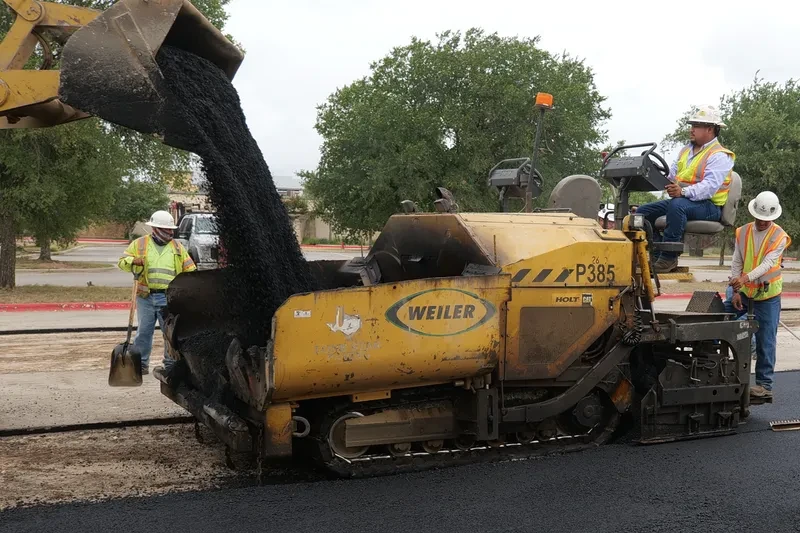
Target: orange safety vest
[752, 258]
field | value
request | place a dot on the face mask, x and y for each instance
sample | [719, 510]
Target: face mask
[162, 236]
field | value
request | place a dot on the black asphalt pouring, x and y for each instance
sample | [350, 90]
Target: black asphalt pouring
[746, 482]
[266, 265]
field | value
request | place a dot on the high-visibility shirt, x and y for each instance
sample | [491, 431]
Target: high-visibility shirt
[691, 173]
[752, 258]
[160, 266]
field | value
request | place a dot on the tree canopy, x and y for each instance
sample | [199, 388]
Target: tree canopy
[443, 114]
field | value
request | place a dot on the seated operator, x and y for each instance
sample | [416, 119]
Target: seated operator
[701, 179]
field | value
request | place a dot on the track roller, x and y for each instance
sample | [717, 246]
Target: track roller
[336, 439]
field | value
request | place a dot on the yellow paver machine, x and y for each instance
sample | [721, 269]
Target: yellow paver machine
[459, 337]
[467, 336]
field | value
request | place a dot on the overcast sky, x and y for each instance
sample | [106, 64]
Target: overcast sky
[652, 63]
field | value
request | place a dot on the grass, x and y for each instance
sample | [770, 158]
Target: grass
[55, 293]
[25, 263]
[54, 248]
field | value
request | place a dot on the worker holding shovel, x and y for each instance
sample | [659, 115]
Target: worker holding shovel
[161, 259]
[756, 277]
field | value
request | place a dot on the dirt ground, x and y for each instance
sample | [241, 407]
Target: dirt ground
[98, 465]
[63, 381]
[63, 353]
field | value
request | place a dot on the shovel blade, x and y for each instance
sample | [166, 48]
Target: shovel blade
[126, 367]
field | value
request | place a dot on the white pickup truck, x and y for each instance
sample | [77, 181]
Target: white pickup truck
[199, 235]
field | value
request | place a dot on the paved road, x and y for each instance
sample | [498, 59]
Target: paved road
[110, 253]
[100, 253]
[740, 483]
[113, 277]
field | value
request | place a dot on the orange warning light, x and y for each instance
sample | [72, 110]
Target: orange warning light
[544, 100]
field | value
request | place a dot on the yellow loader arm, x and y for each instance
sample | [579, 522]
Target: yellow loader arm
[107, 64]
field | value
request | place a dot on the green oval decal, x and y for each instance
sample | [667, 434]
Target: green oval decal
[440, 312]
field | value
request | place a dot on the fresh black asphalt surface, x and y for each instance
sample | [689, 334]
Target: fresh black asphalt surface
[747, 482]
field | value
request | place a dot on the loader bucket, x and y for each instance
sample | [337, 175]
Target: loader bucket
[109, 69]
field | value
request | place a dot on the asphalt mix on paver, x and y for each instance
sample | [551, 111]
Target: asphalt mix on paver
[745, 482]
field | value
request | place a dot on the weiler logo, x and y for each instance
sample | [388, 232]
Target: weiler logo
[440, 312]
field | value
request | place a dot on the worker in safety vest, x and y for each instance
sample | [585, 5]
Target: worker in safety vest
[159, 258]
[701, 177]
[756, 275]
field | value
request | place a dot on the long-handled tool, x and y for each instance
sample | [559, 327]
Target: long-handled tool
[789, 330]
[126, 360]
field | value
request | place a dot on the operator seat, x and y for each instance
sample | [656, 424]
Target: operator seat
[708, 227]
[580, 193]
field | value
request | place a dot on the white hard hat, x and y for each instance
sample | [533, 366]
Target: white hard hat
[765, 206]
[706, 114]
[162, 219]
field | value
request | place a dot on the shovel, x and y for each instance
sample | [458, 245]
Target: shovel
[126, 360]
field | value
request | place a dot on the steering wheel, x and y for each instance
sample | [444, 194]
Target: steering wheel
[536, 178]
[663, 167]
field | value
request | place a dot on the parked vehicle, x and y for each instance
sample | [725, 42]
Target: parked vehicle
[199, 234]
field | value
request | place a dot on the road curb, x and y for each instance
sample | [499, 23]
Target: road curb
[122, 306]
[64, 306]
[109, 268]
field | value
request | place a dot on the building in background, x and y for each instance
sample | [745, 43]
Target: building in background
[190, 195]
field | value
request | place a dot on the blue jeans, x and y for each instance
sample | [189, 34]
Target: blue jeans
[742, 316]
[149, 311]
[768, 313]
[678, 211]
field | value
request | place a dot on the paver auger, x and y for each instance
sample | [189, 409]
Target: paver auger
[462, 335]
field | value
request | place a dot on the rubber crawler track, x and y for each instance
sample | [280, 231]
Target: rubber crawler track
[379, 465]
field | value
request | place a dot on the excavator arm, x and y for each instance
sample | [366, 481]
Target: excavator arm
[29, 98]
[107, 64]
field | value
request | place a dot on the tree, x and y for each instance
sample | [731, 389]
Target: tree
[763, 130]
[444, 114]
[70, 177]
[136, 200]
[54, 181]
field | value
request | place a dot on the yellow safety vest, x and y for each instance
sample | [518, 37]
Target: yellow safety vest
[159, 268]
[753, 258]
[691, 173]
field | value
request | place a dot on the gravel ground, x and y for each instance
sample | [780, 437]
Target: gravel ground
[97, 465]
[705, 485]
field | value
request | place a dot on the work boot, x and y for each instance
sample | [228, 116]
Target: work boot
[664, 265]
[145, 370]
[757, 391]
